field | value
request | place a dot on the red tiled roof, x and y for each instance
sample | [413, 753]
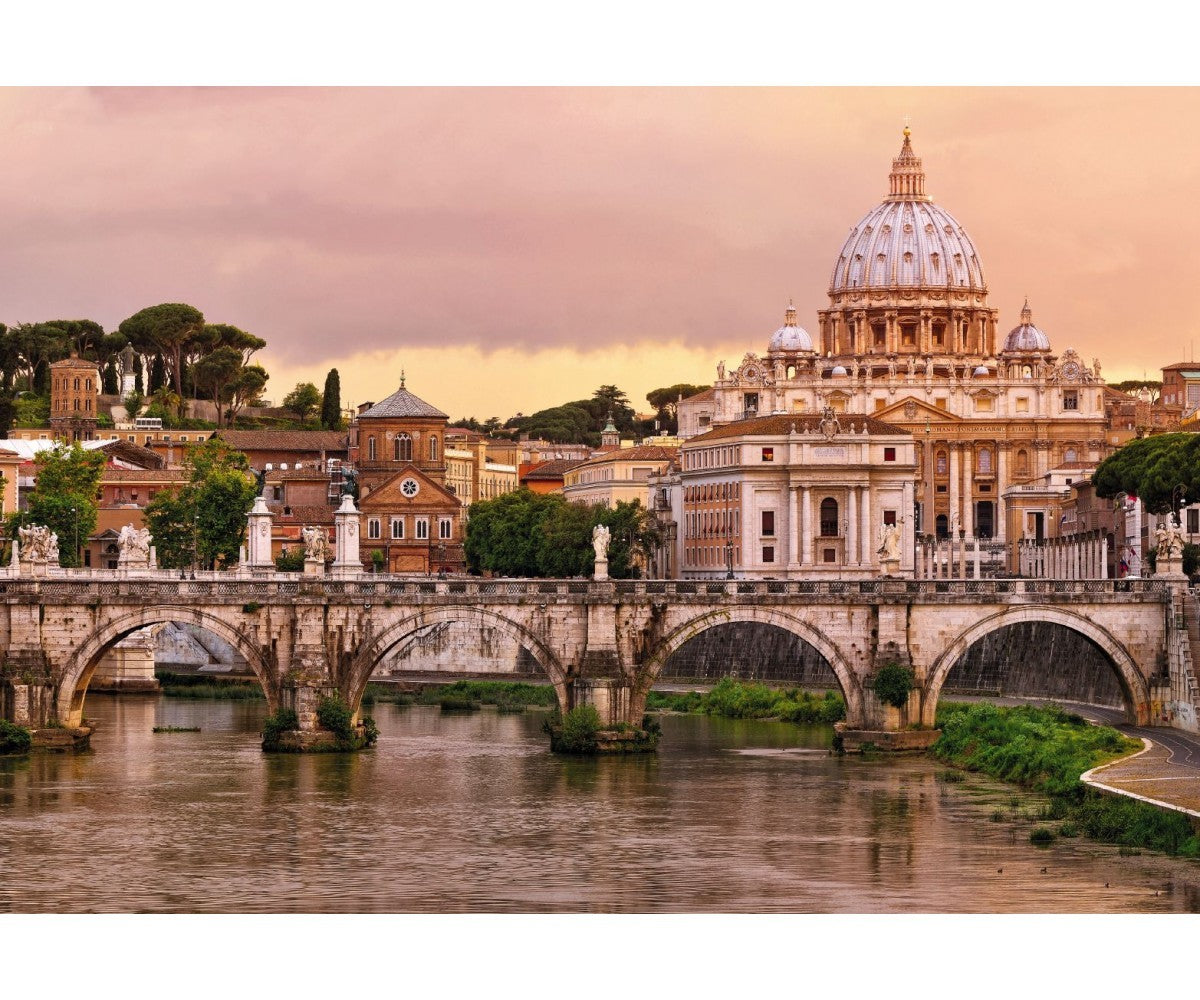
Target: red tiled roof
[702, 397]
[552, 469]
[302, 513]
[314, 441]
[113, 475]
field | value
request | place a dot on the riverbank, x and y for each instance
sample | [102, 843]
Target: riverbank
[1048, 750]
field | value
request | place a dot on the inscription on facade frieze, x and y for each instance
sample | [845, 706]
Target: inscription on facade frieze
[828, 452]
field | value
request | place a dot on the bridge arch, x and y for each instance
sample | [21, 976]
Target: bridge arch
[368, 658]
[77, 673]
[657, 658]
[1132, 682]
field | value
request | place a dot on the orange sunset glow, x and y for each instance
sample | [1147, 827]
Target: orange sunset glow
[515, 248]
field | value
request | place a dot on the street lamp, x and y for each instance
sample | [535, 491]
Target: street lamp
[75, 515]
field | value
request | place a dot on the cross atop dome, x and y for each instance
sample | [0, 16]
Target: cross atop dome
[907, 178]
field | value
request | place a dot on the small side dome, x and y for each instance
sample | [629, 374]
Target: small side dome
[838, 370]
[981, 371]
[1026, 337]
[791, 336]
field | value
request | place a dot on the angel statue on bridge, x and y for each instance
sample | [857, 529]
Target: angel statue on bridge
[600, 539]
[316, 544]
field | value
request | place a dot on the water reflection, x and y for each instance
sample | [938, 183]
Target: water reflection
[469, 812]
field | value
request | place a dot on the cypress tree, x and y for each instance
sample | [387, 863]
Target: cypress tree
[331, 401]
[139, 379]
[158, 374]
[111, 385]
[41, 378]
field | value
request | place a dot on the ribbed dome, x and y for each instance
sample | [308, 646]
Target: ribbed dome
[907, 241]
[1026, 337]
[791, 336]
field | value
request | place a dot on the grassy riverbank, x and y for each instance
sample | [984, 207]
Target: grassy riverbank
[733, 699]
[209, 686]
[1046, 750]
[467, 695]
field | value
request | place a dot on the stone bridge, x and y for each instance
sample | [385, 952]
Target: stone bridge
[603, 642]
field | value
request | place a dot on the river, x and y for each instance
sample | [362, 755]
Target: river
[471, 813]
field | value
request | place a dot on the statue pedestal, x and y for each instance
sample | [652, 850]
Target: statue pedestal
[601, 572]
[125, 564]
[889, 567]
[314, 567]
[36, 567]
[1170, 567]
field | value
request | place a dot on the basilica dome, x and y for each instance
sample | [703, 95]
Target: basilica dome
[907, 241]
[791, 336]
[1026, 337]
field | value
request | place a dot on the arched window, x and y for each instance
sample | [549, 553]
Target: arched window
[433, 448]
[942, 463]
[1022, 463]
[1070, 455]
[371, 448]
[77, 385]
[829, 518]
[942, 526]
[985, 460]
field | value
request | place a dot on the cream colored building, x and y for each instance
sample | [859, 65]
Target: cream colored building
[910, 339]
[613, 477]
[471, 476]
[796, 497]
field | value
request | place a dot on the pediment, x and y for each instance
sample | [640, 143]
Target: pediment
[389, 495]
[912, 409]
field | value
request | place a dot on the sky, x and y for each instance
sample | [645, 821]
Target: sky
[513, 248]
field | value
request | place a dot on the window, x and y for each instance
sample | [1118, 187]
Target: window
[768, 522]
[829, 518]
[940, 403]
[77, 385]
[750, 402]
[941, 488]
[444, 527]
[1022, 463]
[889, 454]
[768, 553]
[397, 527]
[372, 526]
[768, 454]
[942, 463]
[1070, 399]
[422, 527]
[984, 404]
[1022, 404]
[433, 449]
[401, 448]
[1070, 455]
[889, 517]
[1193, 521]
[985, 460]
[371, 448]
[829, 555]
[880, 404]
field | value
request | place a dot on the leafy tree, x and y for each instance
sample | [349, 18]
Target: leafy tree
[1151, 468]
[543, 535]
[303, 400]
[65, 497]
[8, 411]
[247, 389]
[331, 401]
[204, 521]
[665, 402]
[169, 329]
[1132, 385]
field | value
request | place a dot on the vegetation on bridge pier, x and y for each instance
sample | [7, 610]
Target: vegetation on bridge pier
[735, 699]
[582, 732]
[14, 739]
[338, 734]
[1046, 750]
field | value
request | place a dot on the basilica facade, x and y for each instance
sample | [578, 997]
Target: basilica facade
[910, 339]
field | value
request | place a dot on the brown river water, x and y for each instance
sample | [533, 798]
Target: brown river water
[471, 813]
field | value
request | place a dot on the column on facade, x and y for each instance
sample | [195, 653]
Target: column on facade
[1103, 549]
[975, 541]
[868, 550]
[793, 555]
[919, 561]
[955, 518]
[908, 555]
[968, 509]
[1000, 526]
[806, 525]
[851, 527]
[928, 516]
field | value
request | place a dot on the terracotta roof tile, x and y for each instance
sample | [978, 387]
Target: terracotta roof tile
[638, 453]
[552, 469]
[314, 441]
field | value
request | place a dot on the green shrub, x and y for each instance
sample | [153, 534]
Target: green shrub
[370, 731]
[578, 732]
[1041, 835]
[456, 702]
[276, 724]
[14, 739]
[893, 684]
[335, 715]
